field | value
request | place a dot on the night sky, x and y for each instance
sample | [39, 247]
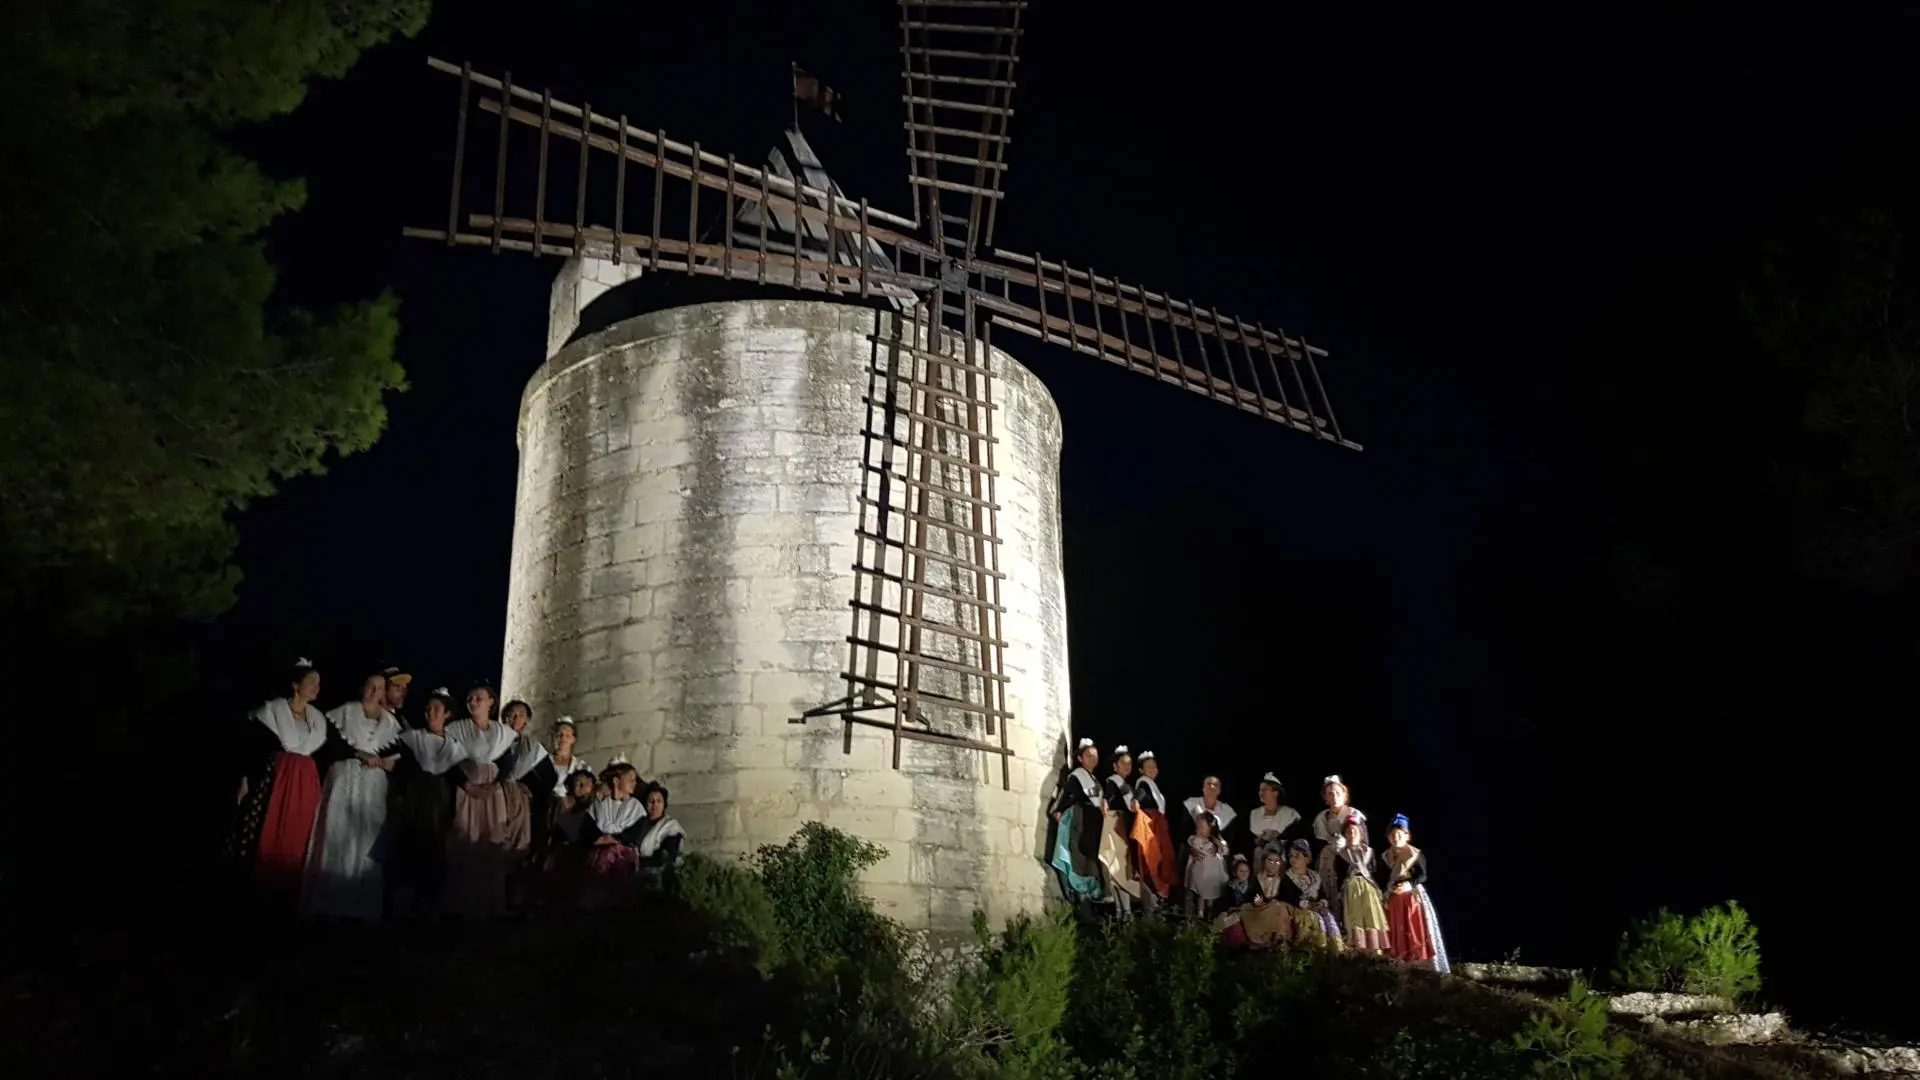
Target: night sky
[1439, 197]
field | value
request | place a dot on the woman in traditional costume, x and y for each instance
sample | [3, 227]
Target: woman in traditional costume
[1312, 917]
[660, 837]
[1116, 859]
[562, 758]
[420, 813]
[1206, 864]
[1209, 802]
[528, 782]
[1355, 871]
[343, 878]
[611, 831]
[1273, 823]
[1413, 930]
[1078, 817]
[563, 865]
[489, 833]
[279, 788]
[1153, 850]
[1266, 919]
[1330, 830]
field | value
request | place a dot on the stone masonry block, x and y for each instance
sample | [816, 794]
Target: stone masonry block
[896, 868]
[674, 758]
[793, 693]
[687, 789]
[598, 612]
[637, 542]
[634, 697]
[733, 689]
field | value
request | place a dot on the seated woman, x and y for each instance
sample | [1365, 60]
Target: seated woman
[1300, 888]
[609, 834]
[1266, 919]
[658, 846]
[563, 863]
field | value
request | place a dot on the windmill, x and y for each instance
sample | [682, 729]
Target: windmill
[926, 629]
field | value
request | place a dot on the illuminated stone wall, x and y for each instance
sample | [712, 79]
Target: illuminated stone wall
[683, 542]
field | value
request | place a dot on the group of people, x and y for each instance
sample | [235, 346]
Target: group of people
[1268, 877]
[361, 813]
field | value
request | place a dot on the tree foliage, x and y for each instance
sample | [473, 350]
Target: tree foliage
[148, 383]
[1715, 952]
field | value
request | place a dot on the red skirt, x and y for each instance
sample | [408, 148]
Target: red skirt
[1407, 929]
[1153, 852]
[281, 857]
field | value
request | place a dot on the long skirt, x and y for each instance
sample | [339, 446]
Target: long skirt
[610, 870]
[1366, 919]
[487, 839]
[413, 850]
[1153, 852]
[1267, 924]
[343, 880]
[1316, 928]
[1407, 929]
[1079, 867]
[563, 875]
[288, 803]
[1116, 861]
[1439, 962]
[1327, 865]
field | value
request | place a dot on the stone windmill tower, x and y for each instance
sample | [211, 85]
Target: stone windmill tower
[795, 551]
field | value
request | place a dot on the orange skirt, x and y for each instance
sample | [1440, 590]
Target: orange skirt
[1153, 852]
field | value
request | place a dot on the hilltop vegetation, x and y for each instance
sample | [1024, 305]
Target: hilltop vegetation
[778, 968]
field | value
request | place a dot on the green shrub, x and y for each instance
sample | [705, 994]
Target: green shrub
[1145, 996]
[1570, 1041]
[1437, 1053]
[1726, 953]
[1004, 1013]
[1654, 952]
[736, 907]
[1715, 952]
[825, 920]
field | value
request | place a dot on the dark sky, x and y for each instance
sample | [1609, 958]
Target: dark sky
[1436, 195]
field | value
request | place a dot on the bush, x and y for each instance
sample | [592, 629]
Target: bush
[737, 909]
[1654, 952]
[1715, 952]
[1004, 1014]
[825, 920]
[1570, 1041]
[1726, 957]
[1144, 997]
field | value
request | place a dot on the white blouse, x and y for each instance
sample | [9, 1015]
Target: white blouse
[1220, 810]
[1260, 823]
[482, 745]
[657, 833]
[296, 736]
[615, 816]
[578, 764]
[435, 754]
[366, 734]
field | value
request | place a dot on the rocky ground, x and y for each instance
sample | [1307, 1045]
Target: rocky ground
[1716, 1022]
